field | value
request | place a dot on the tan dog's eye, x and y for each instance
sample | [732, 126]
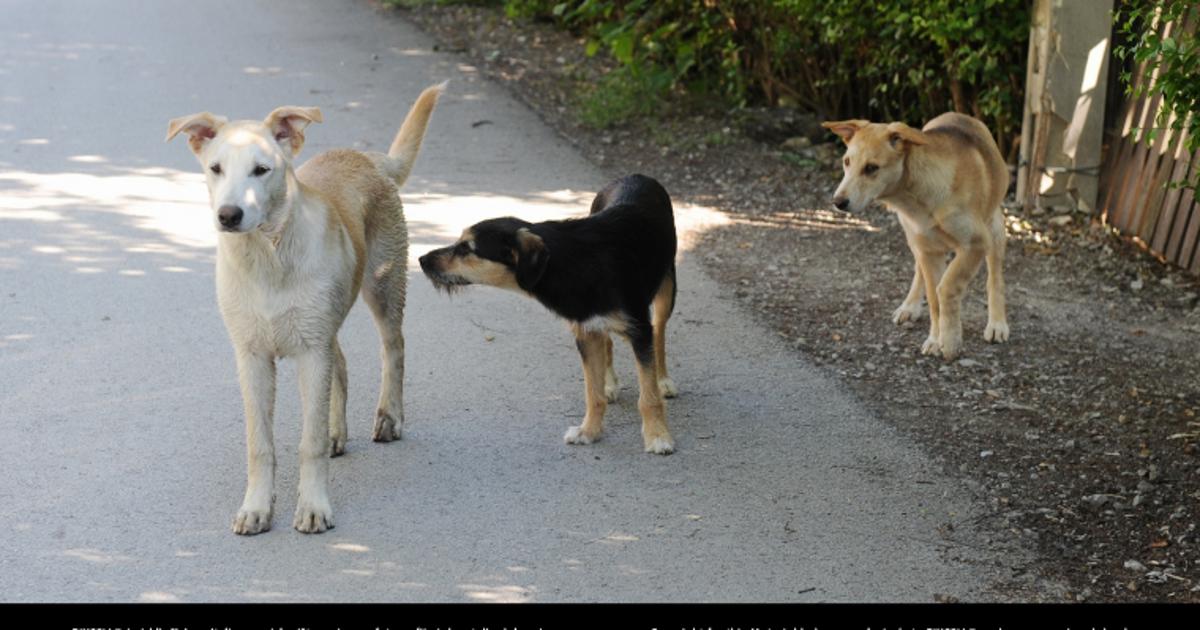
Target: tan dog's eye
[870, 169]
[846, 162]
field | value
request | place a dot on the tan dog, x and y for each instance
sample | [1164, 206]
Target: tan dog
[295, 247]
[945, 184]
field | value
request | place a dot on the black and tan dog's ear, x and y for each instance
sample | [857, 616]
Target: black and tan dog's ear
[846, 128]
[532, 258]
[287, 125]
[902, 137]
[200, 128]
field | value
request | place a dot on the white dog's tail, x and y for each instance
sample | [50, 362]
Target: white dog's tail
[403, 152]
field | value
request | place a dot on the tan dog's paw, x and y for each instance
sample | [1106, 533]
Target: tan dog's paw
[667, 388]
[996, 332]
[387, 428]
[577, 435]
[931, 346]
[313, 519]
[249, 522]
[951, 346]
[906, 313]
[660, 445]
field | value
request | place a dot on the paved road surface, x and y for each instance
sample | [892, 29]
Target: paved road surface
[120, 417]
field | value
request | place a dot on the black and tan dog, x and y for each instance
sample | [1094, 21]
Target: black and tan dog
[611, 272]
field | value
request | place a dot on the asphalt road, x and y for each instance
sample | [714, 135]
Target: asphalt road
[121, 435]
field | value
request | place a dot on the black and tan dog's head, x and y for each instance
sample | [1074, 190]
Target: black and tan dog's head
[502, 253]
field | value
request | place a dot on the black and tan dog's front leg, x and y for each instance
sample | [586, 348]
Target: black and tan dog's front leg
[594, 355]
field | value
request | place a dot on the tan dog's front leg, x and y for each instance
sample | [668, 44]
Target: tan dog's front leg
[910, 308]
[594, 355]
[313, 512]
[950, 292]
[256, 374]
[932, 267]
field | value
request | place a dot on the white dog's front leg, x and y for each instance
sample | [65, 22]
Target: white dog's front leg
[256, 373]
[313, 512]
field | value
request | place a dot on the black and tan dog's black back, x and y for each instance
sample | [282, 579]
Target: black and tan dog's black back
[611, 272]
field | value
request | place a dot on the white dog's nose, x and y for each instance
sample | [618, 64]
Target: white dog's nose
[229, 216]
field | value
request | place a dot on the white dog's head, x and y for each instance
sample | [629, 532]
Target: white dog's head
[247, 164]
[874, 160]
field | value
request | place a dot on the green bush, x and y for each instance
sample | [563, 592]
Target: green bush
[1170, 64]
[907, 60]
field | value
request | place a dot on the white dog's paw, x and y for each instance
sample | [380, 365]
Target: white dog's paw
[337, 445]
[931, 345]
[576, 435]
[667, 388]
[313, 518]
[996, 332]
[611, 387]
[249, 522]
[906, 313]
[387, 428]
[661, 445]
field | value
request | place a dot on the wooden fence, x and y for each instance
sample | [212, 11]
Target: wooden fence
[1135, 196]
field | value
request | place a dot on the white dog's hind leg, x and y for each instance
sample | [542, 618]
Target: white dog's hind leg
[337, 404]
[313, 512]
[256, 374]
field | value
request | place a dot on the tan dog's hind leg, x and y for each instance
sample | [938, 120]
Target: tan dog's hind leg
[337, 404]
[313, 511]
[592, 353]
[661, 311]
[932, 267]
[997, 326]
[256, 374]
[910, 308]
[611, 386]
[950, 293]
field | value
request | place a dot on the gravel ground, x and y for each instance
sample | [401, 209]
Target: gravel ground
[1081, 434]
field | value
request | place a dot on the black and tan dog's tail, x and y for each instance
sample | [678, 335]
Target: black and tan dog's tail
[403, 153]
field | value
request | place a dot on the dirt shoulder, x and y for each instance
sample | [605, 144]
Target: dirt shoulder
[1082, 434]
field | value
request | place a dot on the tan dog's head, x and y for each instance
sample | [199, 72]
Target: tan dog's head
[874, 160]
[498, 252]
[247, 164]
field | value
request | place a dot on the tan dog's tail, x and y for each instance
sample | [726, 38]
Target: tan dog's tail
[403, 152]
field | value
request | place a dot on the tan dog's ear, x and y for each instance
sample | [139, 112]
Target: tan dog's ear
[901, 136]
[846, 128]
[200, 128]
[287, 125]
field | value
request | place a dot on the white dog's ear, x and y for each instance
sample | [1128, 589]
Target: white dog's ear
[287, 125]
[901, 136]
[200, 128]
[846, 128]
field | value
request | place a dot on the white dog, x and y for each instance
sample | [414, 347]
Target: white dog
[295, 246]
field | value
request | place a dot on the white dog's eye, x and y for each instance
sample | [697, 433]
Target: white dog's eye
[215, 168]
[260, 170]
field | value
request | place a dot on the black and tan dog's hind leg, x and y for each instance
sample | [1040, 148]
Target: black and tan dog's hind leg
[595, 350]
[663, 305]
[655, 435]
